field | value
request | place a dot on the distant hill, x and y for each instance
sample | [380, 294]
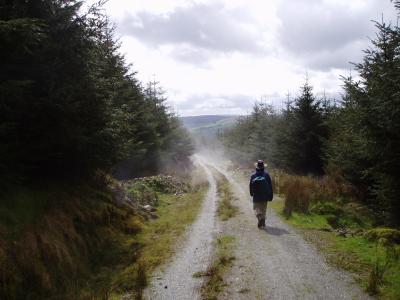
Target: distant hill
[208, 125]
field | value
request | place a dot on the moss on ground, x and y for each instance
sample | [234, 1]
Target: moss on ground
[214, 284]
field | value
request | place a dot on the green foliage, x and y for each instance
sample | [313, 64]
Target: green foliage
[386, 236]
[69, 104]
[253, 136]
[325, 208]
[159, 236]
[291, 139]
[365, 253]
[389, 239]
[366, 139]
[309, 130]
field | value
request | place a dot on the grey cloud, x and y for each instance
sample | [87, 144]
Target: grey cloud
[311, 28]
[322, 34]
[189, 54]
[207, 26]
[340, 58]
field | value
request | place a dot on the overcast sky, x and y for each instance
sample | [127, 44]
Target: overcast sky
[218, 57]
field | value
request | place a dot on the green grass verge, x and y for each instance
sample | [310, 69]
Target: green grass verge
[352, 253]
[226, 209]
[157, 239]
[160, 236]
[214, 284]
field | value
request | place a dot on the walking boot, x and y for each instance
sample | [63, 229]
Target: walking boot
[262, 221]
[259, 224]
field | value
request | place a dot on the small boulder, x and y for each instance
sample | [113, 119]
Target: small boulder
[153, 216]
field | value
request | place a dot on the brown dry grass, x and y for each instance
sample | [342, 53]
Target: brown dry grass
[81, 244]
[297, 195]
[62, 247]
[301, 191]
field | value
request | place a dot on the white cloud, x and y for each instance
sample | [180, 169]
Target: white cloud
[220, 56]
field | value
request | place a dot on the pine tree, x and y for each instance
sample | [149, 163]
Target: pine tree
[285, 150]
[367, 143]
[68, 103]
[308, 133]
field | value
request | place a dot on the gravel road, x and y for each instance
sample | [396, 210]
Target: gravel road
[275, 263]
[175, 280]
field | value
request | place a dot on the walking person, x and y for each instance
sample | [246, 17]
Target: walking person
[261, 191]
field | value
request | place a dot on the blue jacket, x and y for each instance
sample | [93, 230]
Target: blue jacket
[268, 195]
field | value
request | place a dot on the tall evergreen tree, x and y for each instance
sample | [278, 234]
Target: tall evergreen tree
[68, 103]
[308, 134]
[371, 121]
[285, 148]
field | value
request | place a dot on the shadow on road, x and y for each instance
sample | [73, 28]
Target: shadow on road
[275, 230]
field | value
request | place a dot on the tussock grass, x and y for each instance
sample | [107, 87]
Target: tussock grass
[301, 192]
[226, 209]
[330, 217]
[54, 247]
[78, 243]
[214, 284]
[297, 195]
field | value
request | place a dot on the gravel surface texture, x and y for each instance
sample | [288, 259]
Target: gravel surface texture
[276, 262]
[175, 280]
[272, 263]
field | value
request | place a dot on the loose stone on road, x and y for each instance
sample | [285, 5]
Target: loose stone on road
[194, 255]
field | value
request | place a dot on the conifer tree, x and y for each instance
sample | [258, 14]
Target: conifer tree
[309, 131]
[69, 105]
[371, 125]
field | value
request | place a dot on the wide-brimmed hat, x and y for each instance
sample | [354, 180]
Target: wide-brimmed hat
[259, 164]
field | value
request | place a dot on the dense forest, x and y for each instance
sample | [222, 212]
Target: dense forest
[74, 120]
[356, 137]
[69, 103]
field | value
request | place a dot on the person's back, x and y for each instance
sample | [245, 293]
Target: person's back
[261, 190]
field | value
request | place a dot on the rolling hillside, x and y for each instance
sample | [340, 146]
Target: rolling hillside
[208, 125]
